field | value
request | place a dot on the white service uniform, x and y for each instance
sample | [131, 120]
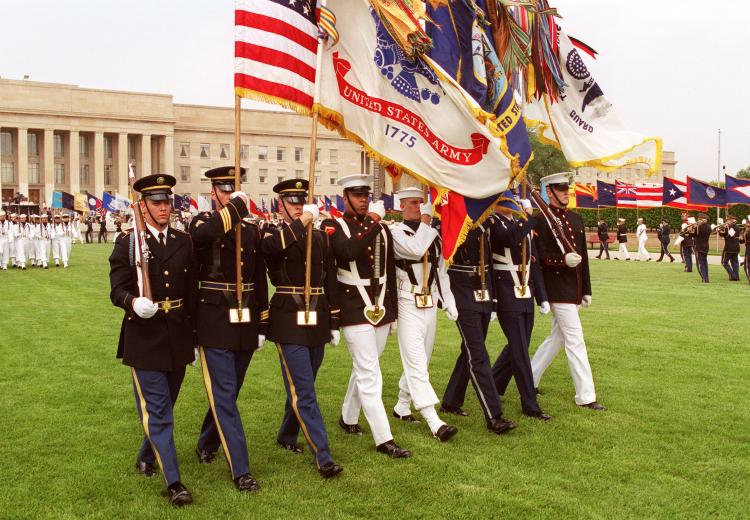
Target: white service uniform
[67, 242]
[31, 245]
[640, 232]
[42, 234]
[59, 248]
[76, 231]
[5, 238]
[21, 232]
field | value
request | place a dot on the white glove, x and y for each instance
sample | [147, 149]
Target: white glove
[312, 209]
[544, 307]
[144, 307]
[242, 195]
[451, 311]
[394, 328]
[572, 259]
[493, 316]
[261, 341]
[197, 355]
[586, 301]
[378, 208]
[426, 209]
[335, 337]
[713, 226]
[525, 204]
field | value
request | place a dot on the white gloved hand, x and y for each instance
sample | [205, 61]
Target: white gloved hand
[261, 341]
[572, 259]
[197, 355]
[426, 209]
[493, 316]
[394, 328]
[713, 226]
[378, 208]
[525, 204]
[242, 195]
[451, 311]
[312, 209]
[586, 301]
[335, 337]
[544, 307]
[144, 307]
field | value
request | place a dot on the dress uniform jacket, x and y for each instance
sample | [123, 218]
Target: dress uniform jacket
[214, 238]
[731, 240]
[702, 235]
[663, 233]
[603, 232]
[163, 342]
[359, 248]
[284, 248]
[622, 233]
[564, 284]
[464, 272]
[687, 237]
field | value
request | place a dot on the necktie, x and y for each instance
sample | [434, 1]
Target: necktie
[161, 240]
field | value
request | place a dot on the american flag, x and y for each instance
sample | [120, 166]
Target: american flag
[648, 195]
[626, 196]
[276, 43]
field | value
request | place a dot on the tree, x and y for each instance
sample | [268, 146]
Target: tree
[744, 173]
[547, 160]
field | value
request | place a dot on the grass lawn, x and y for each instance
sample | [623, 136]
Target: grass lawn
[669, 356]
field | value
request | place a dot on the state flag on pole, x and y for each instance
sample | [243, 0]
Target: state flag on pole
[648, 195]
[626, 197]
[674, 195]
[586, 196]
[606, 194]
[255, 210]
[704, 194]
[738, 190]
[94, 203]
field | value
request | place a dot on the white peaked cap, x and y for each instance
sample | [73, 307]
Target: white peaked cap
[556, 178]
[358, 180]
[691, 220]
[410, 193]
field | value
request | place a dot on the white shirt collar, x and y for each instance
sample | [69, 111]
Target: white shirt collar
[154, 231]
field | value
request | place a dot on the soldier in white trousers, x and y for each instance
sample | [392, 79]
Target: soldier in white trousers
[67, 238]
[21, 232]
[417, 250]
[43, 234]
[31, 245]
[12, 239]
[59, 249]
[5, 235]
[640, 233]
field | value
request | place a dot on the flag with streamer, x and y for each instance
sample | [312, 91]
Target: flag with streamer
[674, 195]
[738, 190]
[702, 193]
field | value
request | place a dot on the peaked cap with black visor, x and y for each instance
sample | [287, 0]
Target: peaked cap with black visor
[557, 181]
[292, 191]
[155, 187]
[222, 178]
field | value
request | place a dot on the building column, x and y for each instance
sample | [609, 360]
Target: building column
[74, 162]
[145, 168]
[22, 160]
[98, 163]
[48, 166]
[168, 155]
[122, 163]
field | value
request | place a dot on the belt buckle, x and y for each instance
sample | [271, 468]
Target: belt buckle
[522, 291]
[241, 315]
[307, 319]
[166, 305]
[481, 295]
[423, 301]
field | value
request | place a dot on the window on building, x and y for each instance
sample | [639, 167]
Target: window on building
[59, 173]
[7, 173]
[244, 151]
[205, 151]
[262, 153]
[108, 174]
[334, 156]
[6, 144]
[34, 173]
[184, 150]
[107, 146]
[317, 154]
[298, 154]
[332, 181]
[224, 151]
[317, 180]
[262, 175]
[83, 145]
[58, 145]
[132, 147]
[280, 178]
[33, 142]
[83, 177]
[299, 174]
[280, 151]
[185, 173]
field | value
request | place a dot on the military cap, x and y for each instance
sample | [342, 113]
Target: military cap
[223, 177]
[410, 193]
[357, 183]
[66, 215]
[56, 216]
[23, 215]
[293, 190]
[556, 179]
[155, 187]
[730, 216]
[702, 215]
[2, 213]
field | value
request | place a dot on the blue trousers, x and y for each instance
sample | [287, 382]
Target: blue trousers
[223, 375]
[299, 367]
[687, 257]
[473, 364]
[514, 359]
[731, 264]
[155, 395]
[701, 260]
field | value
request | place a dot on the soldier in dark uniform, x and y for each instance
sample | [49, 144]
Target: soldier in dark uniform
[89, 230]
[363, 248]
[225, 347]
[663, 234]
[687, 243]
[471, 284]
[622, 239]
[156, 338]
[602, 232]
[701, 233]
[745, 239]
[301, 347]
[730, 255]
[516, 287]
[568, 284]
[102, 229]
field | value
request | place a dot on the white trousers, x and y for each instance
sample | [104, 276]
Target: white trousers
[566, 332]
[416, 336]
[31, 250]
[365, 392]
[68, 243]
[4, 252]
[642, 252]
[12, 250]
[622, 253]
[59, 250]
[42, 252]
[21, 247]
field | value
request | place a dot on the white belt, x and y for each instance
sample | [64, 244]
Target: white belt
[508, 267]
[359, 282]
[408, 287]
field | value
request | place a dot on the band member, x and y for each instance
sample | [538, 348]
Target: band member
[226, 340]
[730, 255]
[5, 235]
[701, 233]
[102, 229]
[21, 233]
[622, 239]
[516, 287]
[414, 238]
[471, 284]
[367, 286]
[301, 342]
[43, 234]
[687, 243]
[156, 339]
[640, 233]
[663, 235]
[745, 239]
[602, 232]
[566, 278]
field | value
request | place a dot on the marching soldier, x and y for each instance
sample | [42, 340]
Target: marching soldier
[701, 232]
[417, 309]
[363, 248]
[516, 287]
[156, 339]
[686, 244]
[300, 338]
[21, 234]
[745, 239]
[226, 344]
[102, 228]
[32, 247]
[43, 234]
[66, 241]
[89, 230]
[640, 233]
[663, 235]
[566, 278]
[602, 232]
[730, 255]
[5, 235]
[12, 227]
[472, 287]
[622, 239]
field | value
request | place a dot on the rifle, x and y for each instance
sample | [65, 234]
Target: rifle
[142, 251]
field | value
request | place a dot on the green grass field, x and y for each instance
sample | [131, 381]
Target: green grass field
[669, 357]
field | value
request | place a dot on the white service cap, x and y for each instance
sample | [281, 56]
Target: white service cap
[556, 178]
[410, 193]
[358, 180]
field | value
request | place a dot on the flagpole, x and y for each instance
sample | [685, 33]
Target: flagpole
[238, 228]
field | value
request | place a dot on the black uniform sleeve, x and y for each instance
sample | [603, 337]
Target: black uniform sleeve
[506, 235]
[260, 282]
[540, 290]
[274, 243]
[191, 294]
[391, 274]
[584, 267]
[123, 285]
[205, 230]
[331, 283]
[349, 249]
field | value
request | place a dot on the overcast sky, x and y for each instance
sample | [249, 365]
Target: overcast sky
[676, 69]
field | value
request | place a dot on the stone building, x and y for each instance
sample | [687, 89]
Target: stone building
[631, 174]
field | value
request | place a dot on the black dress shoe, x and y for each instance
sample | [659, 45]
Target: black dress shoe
[539, 415]
[594, 406]
[146, 469]
[538, 392]
[352, 429]
[405, 418]
[246, 482]
[330, 470]
[445, 433]
[393, 450]
[455, 410]
[179, 494]
[205, 456]
[291, 447]
[499, 425]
